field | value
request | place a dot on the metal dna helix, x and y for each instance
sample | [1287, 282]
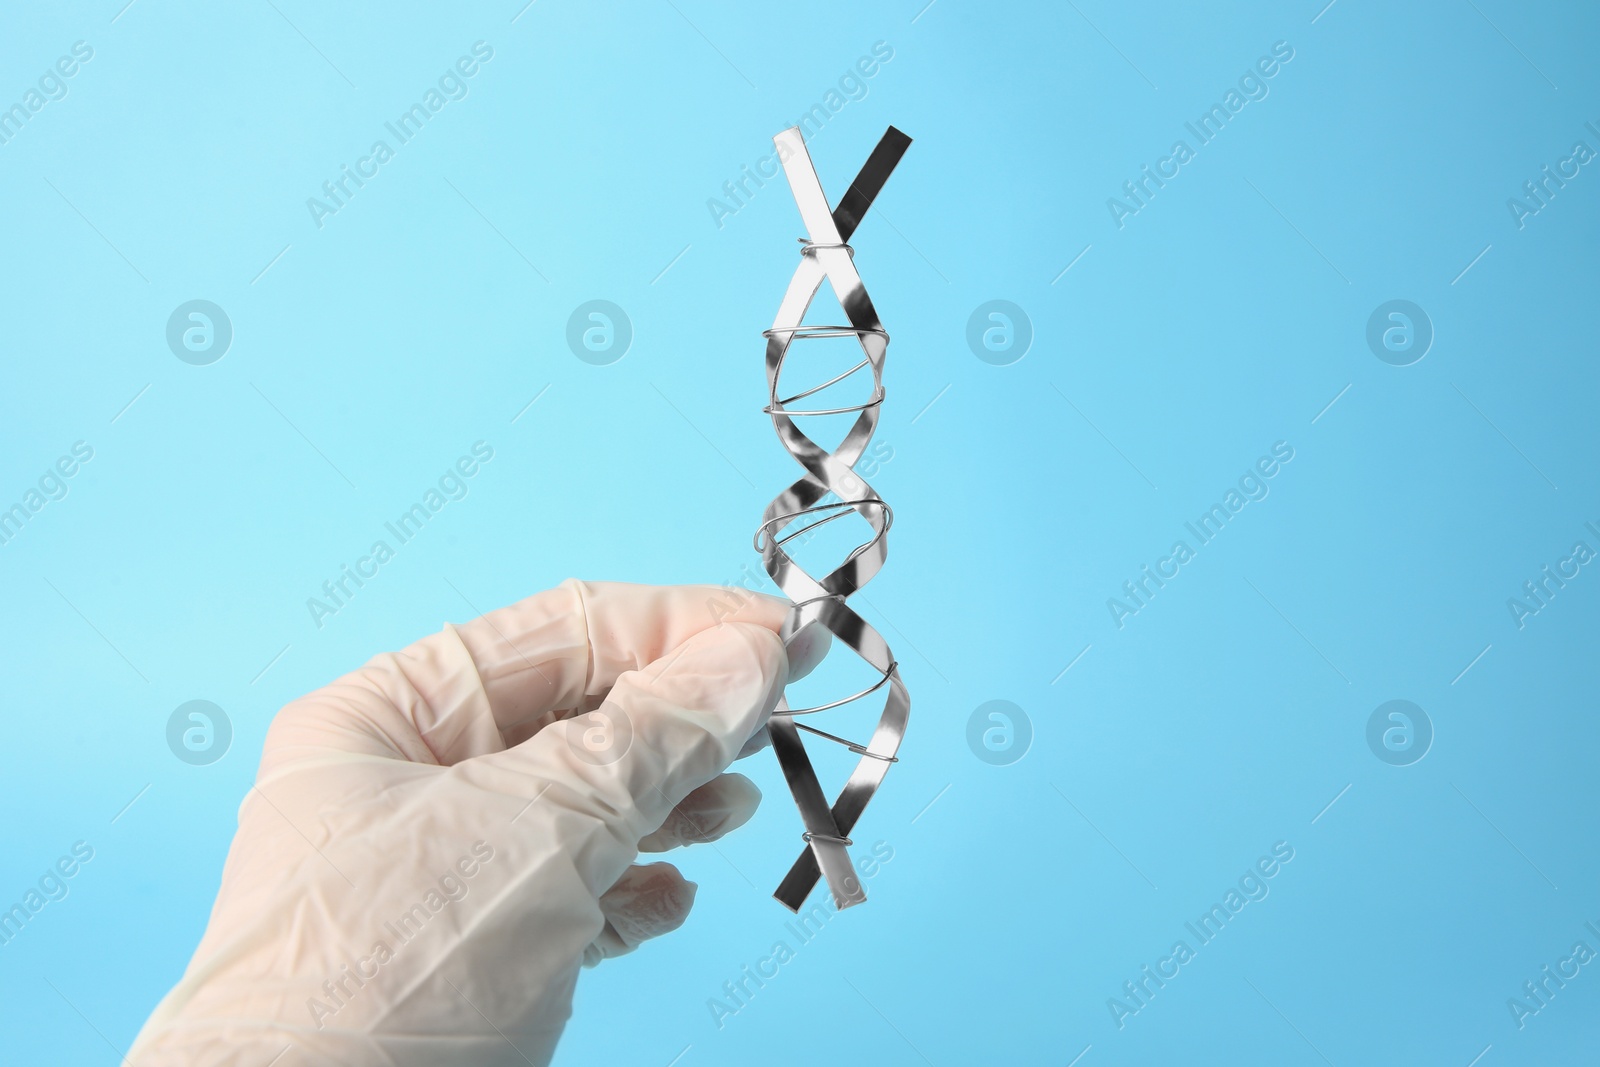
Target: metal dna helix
[806, 504]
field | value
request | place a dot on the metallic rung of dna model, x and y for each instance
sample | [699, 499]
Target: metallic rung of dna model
[822, 601]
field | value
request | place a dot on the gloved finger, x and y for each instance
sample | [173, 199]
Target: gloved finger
[717, 808]
[615, 774]
[648, 900]
[807, 649]
[755, 743]
[489, 684]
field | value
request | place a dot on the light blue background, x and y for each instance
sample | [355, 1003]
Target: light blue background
[1223, 317]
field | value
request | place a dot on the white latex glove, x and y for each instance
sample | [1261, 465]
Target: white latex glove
[436, 842]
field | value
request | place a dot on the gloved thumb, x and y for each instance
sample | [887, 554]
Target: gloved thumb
[663, 731]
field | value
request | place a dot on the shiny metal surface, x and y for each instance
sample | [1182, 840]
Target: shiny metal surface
[824, 254]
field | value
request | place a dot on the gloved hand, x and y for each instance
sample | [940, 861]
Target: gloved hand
[436, 842]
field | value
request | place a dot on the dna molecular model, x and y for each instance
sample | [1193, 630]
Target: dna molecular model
[830, 489]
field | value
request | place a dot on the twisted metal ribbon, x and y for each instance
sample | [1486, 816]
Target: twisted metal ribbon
[822, 601]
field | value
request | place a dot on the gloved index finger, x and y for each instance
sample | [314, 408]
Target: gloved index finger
[663, 731]
[533, 664]
[474, 689]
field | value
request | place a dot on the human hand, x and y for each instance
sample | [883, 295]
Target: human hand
[437, 841]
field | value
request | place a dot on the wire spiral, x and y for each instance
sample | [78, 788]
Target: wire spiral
[825, 255]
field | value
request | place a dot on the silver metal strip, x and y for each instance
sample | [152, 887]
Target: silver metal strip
[822, 601]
